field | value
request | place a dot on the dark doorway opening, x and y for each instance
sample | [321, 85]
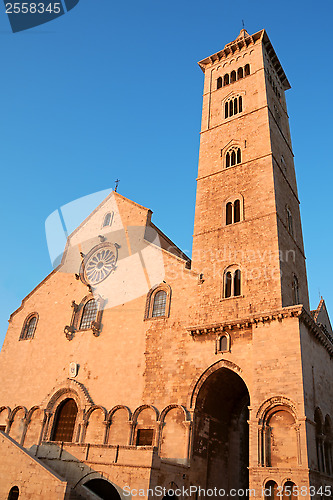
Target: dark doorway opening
[221, 433]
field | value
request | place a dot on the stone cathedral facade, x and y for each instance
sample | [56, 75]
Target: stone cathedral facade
[132, 367]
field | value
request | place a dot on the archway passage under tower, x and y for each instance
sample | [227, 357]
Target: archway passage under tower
[221, 433]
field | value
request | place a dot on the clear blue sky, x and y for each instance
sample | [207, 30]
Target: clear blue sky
[112, 89]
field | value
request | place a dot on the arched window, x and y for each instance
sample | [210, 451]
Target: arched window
[107, 219]
[227, 160]
[229, 213]
[29, 327]
[233, 157]
[247, 70]
[290, 222]
[226, 110]
[232, 282]
[233, 211]
[226, 80]
[295, 291]
[240, 73]
[233, 106]
[240, 104]
[14, 493]
[228, 285]
[237, 283]
[271, 491]
[89, 314]
[289, 491]
[219, 82]
[64, 421]
[237, 213]
[159, 304]
[223, 343]
[233, 76]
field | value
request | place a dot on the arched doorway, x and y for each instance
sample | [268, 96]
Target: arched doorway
[103, 489]
[221, 434]
[14, 493]
[64, 421]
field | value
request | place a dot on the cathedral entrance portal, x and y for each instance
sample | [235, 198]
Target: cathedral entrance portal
[221, 434]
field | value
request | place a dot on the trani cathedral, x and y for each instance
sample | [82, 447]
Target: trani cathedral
[133, 370]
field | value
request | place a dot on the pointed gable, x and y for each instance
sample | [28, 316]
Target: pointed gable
[321, 317]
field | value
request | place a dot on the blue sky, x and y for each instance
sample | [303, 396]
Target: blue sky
[112, 89]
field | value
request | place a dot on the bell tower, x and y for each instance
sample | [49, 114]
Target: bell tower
[248, 241]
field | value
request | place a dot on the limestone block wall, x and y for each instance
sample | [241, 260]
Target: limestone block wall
[33, 479]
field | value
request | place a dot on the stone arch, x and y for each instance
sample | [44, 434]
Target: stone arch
[95, 425]
[170, 407]
[279, 440]
[119, 426]
[203, 376]
[5, 412]
[174, 434]
[96, 476]
[68, 386]
[145, 422]
[144, 407]
[220, 444]
[119, 407]
[18, 423]
[103, 488]
[35, 422]
[273, 402]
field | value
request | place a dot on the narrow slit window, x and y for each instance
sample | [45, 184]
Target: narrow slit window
[231, 108]
[295, 289]
[226, 110]
[227, 160]
[233, 158]
[235, 106]
[239, 156]
[223, 344]
[236, 211]
[229, 213]
[240, 104]
[237, 282]
[228, 284]
[107, 220]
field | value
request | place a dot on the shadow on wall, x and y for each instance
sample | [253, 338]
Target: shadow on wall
[83, 479]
